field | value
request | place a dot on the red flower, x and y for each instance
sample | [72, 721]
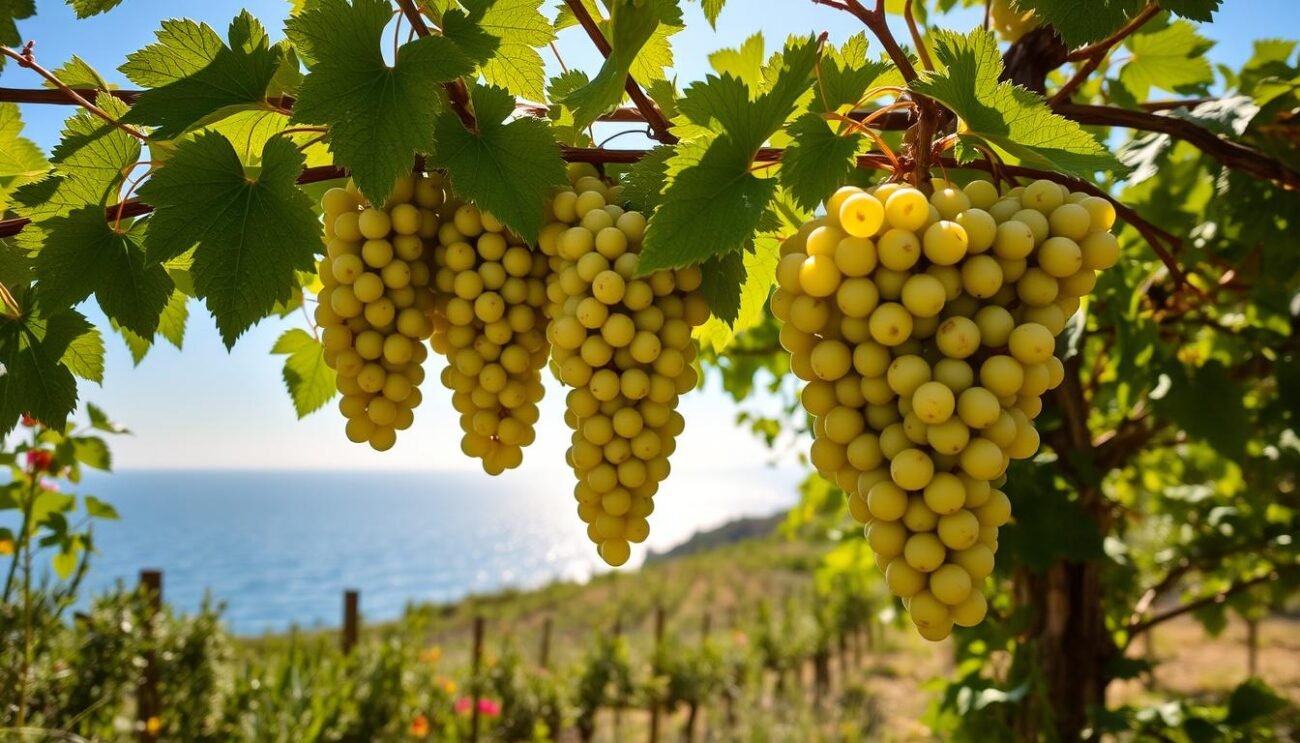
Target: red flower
[489, 707]
[39, 460]
[463, 706]
[29, 421]
[420, 726]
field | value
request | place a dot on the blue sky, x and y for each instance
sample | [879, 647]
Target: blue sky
[204, 407]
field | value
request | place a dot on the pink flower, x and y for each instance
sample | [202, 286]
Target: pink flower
[39, 460]
[463, 706]
[489, 707]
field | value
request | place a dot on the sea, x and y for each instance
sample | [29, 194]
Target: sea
[278, 548]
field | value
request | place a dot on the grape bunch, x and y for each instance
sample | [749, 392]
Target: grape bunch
[623, 343]
[489, 325]
[375, 304]
[925, 329]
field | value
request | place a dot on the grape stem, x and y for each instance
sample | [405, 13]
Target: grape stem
[654, 117]
[1094, 54]
[917, 39]
[27, 58]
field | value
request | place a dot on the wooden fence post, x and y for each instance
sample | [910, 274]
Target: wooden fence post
[475, 665]
[654, 703]
[351, 619]
[544, 655]
[618, 703]
[148, 702]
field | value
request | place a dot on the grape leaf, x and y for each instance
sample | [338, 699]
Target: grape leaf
[758, 277]
[379, 116]
[90, 161]
[1172, 58]
[84, 356]
[508, 169]
[644, 182]
[630, 27]
[520, 29]
[85, 255]
[237, 76]
[710, 208]
[1196, 10]
[1078, 23]
[77, 73]
[184, 48]
[712, 9]
[36, 381]
[847, 74]
[744, 62]
[252, 232]
[1012, 118]
[723, 275]
[87, 8]
[817, 161]
[21, 160]
[10, 11]
[308, 378]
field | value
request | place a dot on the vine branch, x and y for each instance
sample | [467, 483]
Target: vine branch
[1136, 628]
[653, 116]
[27, 58]
[1094, 54]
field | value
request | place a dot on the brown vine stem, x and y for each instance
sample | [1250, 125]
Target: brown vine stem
[456, 90]
[1135, 629]
[653, 116]
[1094, 54]
[27, 58]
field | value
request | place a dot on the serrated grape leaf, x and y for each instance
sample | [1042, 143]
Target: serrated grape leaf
[1250, 701]
[710, 208]
[759, 275]
[237, 75]
[250, 233]
[84, 356]
[308, 378]
[723, 275]
[644, 182]
[1196, 10]
[379, 116]
[712, 9]
[77, 73]
[36, 381]
[847, 74]
[1078, 23]
[1208, 405]
[87, 8]
[817, 161]
[84, 255]
[21, 161]
[1171, 58]
[744, 62]
[100, 421]
[171, 324]
[657, 55]
[631, 25]
[508, 168]
[519, 29]
[89, 161]
[184, 47]
[10, 11]
[1014, 119]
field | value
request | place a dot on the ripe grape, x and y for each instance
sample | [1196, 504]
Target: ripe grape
[622, 342]
[925, 329]
[376, 303]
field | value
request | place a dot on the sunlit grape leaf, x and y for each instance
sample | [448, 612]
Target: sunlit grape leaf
[77, 73]
[712, 9]
[520, 29]
[508, 168]
[817, 161]
[21, 160]
[644, 182]
[723, 275]
[710, 208]
[1012, 118]
[251, 231]
[1048, 525]
[1171, 58]
[237, 75]
[379, 116]
[744, 62]
[308, 378]
[1078, 23]
[847, 73]
[87, 8]
[755, 284]
[89, 165]
[84, 255]
[184, 47]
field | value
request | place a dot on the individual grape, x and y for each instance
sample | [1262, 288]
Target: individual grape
[926, 339]
[623, 343]
[375, 308]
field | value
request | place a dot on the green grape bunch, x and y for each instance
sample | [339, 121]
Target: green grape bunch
[489, 324]
[925, 328]
[623, 342]
[376, 302]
